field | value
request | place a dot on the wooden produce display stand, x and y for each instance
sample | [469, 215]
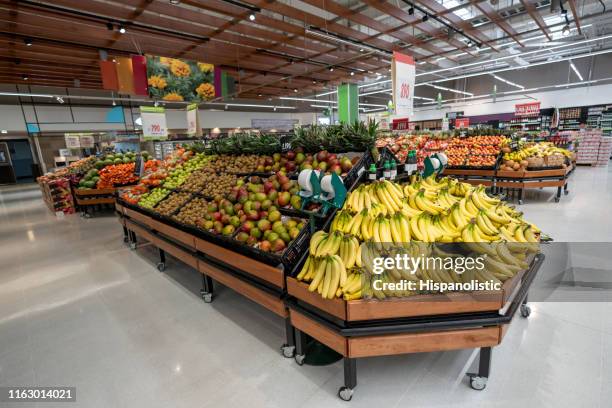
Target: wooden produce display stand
[257, 281]
[521, 180]
[472, 176]
[518, 181]
[87, 198]
[423, 323]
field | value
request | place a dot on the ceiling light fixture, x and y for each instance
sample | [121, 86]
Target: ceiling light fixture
[331, 69]
[376, 92]
[122, 29]
[175, 2]
[576, 70]
[411, 10]
[252, 17]
[423, 98]
[59, 99]
[287, 98]
[295, 90]
[566, 30]
[507, 82]
[443, 88]
[24, 77]
[312, 30]
[4, 131]
[27, 42]
[251, 105]
[325, 93]
[352, 73]
[425, 18]
[374, 83]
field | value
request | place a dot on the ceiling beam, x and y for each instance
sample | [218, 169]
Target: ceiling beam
[494, 16]
[572, 4]
[535, 15]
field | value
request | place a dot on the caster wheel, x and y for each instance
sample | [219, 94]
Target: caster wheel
[288, 351]
[132, 245]
[299, 359]
[207, 297]
[161, 266]
[525, 311]
[557, 199]
[345, 394]
[478, 383]
[520, 202]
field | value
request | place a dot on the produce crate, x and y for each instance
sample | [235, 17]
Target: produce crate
[358, 169]
[412, 306]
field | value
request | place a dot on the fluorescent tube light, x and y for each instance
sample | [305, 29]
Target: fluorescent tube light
[507, 82]
[333, 37]
[443, 88]
[288, 98]
[576, 70]
[376, 92]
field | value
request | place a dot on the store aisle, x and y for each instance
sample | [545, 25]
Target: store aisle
[78, 308]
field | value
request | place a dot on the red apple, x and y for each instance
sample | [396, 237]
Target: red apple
[290, 155]
[247, 226]
[322, 155]
[268, 186]
[265, 246]
[284, 198]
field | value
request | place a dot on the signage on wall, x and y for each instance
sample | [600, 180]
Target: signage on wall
[87, 141]
[454, 115]
[527, 109]
[73, 141]
[400, 124]
[403, 73]
[462, 123]
[154, 123]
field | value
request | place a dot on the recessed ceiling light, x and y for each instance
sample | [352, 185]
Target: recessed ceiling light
[331, 69]
[24, 77]
[122, 29]
[352, 73]
[252, 17]
[27, 42]
[260, 95]
[361, 50]
[295, 90]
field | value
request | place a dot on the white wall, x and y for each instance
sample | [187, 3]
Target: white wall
[58, 118]
[562, 98]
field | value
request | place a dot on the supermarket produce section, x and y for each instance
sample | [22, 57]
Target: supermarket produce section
[242, 220]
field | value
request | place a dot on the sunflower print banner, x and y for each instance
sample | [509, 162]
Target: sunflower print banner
[177, 80]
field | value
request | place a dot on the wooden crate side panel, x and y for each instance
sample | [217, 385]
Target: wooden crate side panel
[270, 302]
[334, 307]
[323, 334]
[423, 342]
[260, 270]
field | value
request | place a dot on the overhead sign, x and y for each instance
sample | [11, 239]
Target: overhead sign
[462, 123]
[154, 123]
[400, 124]
[403, 74]
[87, 141]
[527, 109]
[73, 141]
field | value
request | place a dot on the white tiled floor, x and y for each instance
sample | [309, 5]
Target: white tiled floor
[78, 308]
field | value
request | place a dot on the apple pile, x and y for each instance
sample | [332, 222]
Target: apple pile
[297, 160]
[272, 233]
[277, 190]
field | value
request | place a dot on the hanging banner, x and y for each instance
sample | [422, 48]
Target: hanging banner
[403, 73]
[178, 80]
[154, 123]
[527, 109]
[192, 119]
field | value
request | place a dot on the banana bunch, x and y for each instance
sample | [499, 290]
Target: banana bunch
[382, 197]
[328, 276]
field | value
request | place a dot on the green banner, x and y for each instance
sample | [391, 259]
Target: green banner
[348, 103]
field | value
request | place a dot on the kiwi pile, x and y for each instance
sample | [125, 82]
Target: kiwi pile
[219, 185]
[197, 180]
[245, 163]
[193, 212]
[169, 205]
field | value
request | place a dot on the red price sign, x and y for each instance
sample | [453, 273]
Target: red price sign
[155, 128]
[400, 124]
[462, 123]
[527, 109]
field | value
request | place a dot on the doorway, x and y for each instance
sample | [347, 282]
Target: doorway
[21, 160]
